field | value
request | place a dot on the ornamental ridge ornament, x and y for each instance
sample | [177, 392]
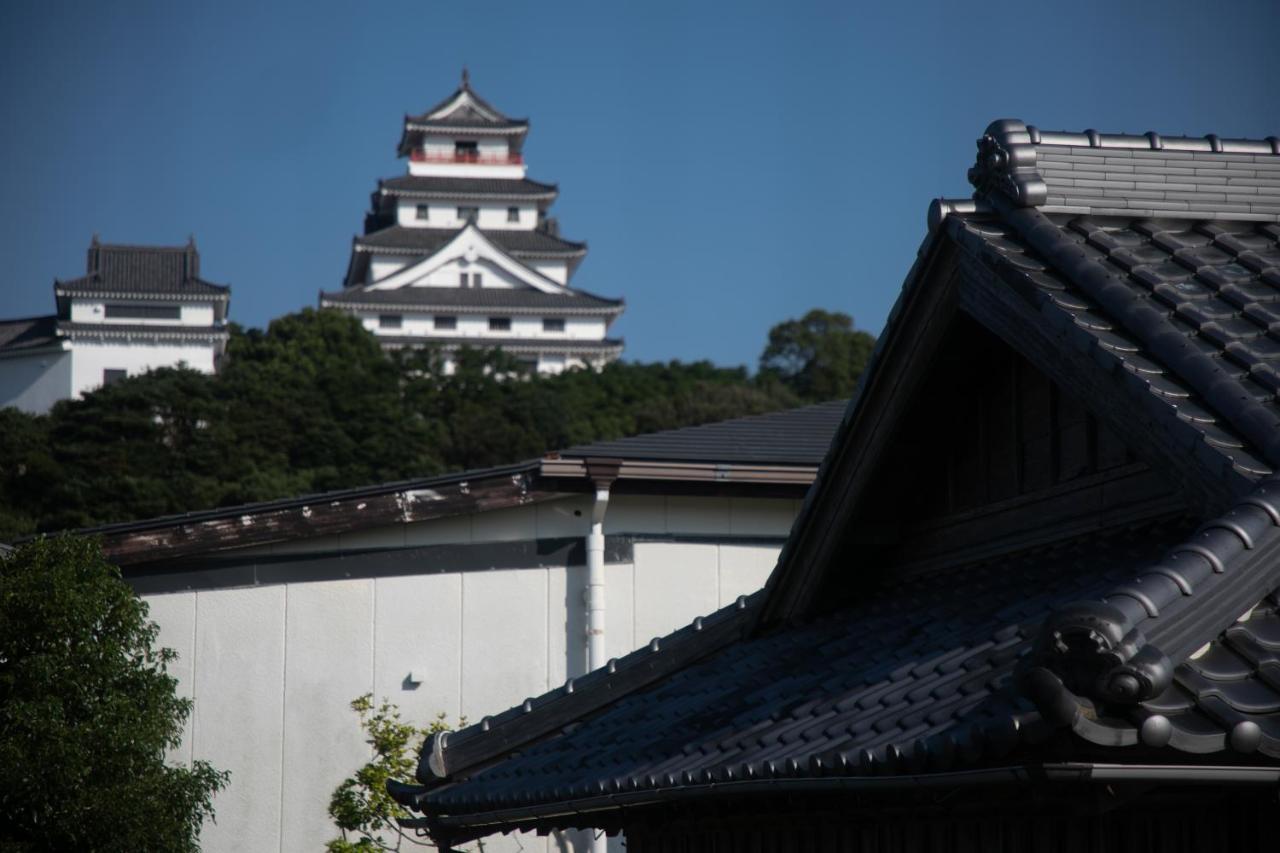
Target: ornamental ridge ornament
[1007, 164]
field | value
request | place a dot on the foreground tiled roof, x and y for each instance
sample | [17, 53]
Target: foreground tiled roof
[399, 239]
[524, 300]
[1186, 305]
[796, 436]
[142, 270]
[423, 186]
[914, 678]
[1161, 638]
[27, 334]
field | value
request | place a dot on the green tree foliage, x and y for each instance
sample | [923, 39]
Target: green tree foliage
[820, 357]
[361, 808]
[313, 403]
[87, 712]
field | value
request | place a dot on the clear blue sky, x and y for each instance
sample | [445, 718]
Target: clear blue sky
[731, 165]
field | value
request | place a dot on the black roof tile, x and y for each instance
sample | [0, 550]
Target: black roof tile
[924, 672]
[423, 186]
[142, 270]
[913, 671]
[28, 333]
[400, 239]
[159, 330]
[792, 437]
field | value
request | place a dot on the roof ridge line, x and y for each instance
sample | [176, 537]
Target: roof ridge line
[1219, 389]
[1153, 141]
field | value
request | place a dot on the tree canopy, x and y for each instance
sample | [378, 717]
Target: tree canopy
[821, 356]
[313, 403]
[88, 711]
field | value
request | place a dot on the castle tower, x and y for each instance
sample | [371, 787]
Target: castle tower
[460, 250]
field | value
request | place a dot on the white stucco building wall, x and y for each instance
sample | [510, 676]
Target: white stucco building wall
[90, 359]
[33, 383]
[273, 666]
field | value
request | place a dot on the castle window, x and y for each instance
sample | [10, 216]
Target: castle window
[468, 214]
[445, 324]
[553, 324]
[513, 214]
[423, 212]
[389, 321]
[112, 375]
[466, 150]
[499, 324]
[143, 312]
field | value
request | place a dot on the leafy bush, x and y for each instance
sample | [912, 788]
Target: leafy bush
[88, 711]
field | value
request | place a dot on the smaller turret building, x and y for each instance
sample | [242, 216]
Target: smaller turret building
[460, 251]
[135, 309]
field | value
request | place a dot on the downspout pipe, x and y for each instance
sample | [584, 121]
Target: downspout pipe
[602, 473]
[594, 595]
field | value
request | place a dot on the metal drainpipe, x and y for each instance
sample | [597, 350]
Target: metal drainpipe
[593, 595]
[602, 473]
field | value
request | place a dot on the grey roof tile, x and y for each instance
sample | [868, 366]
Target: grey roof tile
[142, 270]
[423, 186]
[400, 239]
[795, 436]
[892, 676]
[926, 672]
[28, 333]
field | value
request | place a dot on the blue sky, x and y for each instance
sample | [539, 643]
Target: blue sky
[731, 165]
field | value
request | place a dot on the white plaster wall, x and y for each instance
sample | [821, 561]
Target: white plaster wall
[86, 311]
[381, 266]
[94, 311]
[585, 328]
[272, 669]
[239, 689]
[468, 170]
[444, 214]
[197, 314]
[33, 383]
[90, 359]
[557, 271]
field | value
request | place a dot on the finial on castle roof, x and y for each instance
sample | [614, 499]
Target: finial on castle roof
[95, 241]
[191, 241]
[466, 78]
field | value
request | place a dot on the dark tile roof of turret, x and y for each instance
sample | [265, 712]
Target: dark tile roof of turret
[482, 298]
[466, 115]
[28, 333]
[423, 186]
[150, 270]
[399, 239]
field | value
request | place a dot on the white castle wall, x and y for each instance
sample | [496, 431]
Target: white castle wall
[94, 311]
[90, 359]
[33, 383]
[273, 668]
[444, 214]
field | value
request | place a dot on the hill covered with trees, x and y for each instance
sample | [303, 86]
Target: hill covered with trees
[313, 403]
